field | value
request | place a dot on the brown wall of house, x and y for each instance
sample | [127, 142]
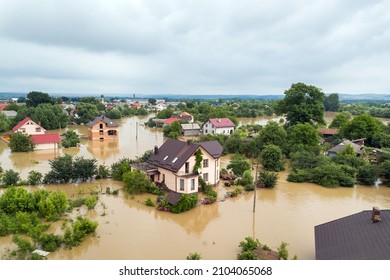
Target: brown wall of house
[97, 133]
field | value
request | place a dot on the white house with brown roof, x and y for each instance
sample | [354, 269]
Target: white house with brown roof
[175, 164]
[218, 126]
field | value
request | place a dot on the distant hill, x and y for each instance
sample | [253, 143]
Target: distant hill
[176, 97]
[364, 97]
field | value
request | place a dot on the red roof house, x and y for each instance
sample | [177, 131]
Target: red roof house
[39, 137]
[171, 120]
[3, 105]
[218, 126]
[45, 141]
[28, 126]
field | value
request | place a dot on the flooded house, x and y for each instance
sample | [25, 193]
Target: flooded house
[40, 138]
[357, 145]
[190, 129]
[102, 128]
[218, 126]
[178, 164]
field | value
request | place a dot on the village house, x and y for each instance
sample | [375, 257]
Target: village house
[357, 146]
[218, 126]
[361, 236]
[190, 129]
[3, 106]
[176, 168]
[171, 120]
[327, 133]
[39, 137]
[29, 127]
[185, 117]
[102, 128]
[10, 114]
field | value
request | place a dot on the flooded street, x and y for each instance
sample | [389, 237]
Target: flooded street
[128, 229]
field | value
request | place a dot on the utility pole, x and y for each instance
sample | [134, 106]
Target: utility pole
[254, 197]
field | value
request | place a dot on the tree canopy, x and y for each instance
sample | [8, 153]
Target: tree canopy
[86, 112]
[332, 102]
[302, 104]
[20, 142]
[363, 126]
[35, 98]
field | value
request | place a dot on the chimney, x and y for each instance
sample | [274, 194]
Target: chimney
[155, 150]
[376, 215]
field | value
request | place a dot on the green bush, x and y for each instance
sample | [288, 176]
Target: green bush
[119, 168]
[10, 178]
[91, 201]
[194, 256]
[331, 175]
[247, 255]
[50, 242]
[149, 202]
[102, 172]
[186, 202]
[267, 179]
[299, 176]
[34, 178]
[75, 234]
[136, 182]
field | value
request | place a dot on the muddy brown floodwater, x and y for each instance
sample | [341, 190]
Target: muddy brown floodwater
[128, 229]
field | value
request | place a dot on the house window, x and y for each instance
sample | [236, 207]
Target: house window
[101, 126]
[187, 167]
[182, 184]
[205, 163]
[23, 130]
[192, 184]
[206, 176]
[37, 129]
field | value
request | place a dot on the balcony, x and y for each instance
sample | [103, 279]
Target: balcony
[187, 175]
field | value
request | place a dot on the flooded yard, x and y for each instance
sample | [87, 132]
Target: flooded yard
[128, 229]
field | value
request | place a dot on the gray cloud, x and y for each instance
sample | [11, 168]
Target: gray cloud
[184, 46]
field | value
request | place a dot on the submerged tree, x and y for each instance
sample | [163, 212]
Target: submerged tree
[21, 142]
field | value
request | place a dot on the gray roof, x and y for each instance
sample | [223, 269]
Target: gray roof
[10, 114]
[354, 237]
[340, 147]
[190, 126]
[106, 120]
[174, 153]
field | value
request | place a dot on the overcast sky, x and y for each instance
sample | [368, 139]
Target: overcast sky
[194, 46]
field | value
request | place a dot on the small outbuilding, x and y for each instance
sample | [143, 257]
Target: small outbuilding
[190, 129]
